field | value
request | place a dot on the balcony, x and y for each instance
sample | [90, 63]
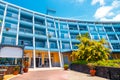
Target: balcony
[40, 22]
[83, 28]
[95, 37]
[74, 47]
[10, 27]
[119, 36]
[115, 45]
[12, 15]
[27, 43]
[73, 27]
[103, 37]
[53, 45]
[65, 46]
[112, 37]
[1, 12]
[65, 37]
[25, 19]
[40, 32]
[73, 36]
[51, 34]
[41, 45]
[8, 41]
[25, 32]
[63, 27]
[117, 29]
[92, 29]
[108, 29]
[50, 25]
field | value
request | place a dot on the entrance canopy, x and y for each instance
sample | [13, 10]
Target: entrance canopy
[11, 52]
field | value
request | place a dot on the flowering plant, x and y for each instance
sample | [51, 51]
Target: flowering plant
[26, 64]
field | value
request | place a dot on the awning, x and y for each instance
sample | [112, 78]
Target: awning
[11, 52]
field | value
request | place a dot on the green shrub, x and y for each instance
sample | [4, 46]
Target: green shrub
[16, 68]
[80, 62]
[108, 63]
[66, 65]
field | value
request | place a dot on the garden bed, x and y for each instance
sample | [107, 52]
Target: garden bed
[9, 70]
[105, 72]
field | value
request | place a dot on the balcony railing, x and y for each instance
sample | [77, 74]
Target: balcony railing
[25, 43]
[39, 23]
[41, 44]
[40, 32]
[1, 12]
[12, 15]
[25, 30]
[10, 41]
[24, 19]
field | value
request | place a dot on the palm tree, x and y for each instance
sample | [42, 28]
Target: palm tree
[90, 50]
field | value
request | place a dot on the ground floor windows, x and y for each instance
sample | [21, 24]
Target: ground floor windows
[10, 61]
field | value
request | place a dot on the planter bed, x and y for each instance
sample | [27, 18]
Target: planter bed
[105, 72]
[9, 69]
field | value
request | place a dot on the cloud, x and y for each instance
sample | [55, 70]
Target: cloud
[110, 14]
[116, 3]
[107, 13]
[102, 2]
[116, 18]
[102, 11]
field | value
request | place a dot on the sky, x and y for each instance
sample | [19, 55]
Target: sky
[95, 10]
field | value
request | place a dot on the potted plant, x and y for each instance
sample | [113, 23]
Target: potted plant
[49, 36]
[7, 29]
[26, 65]
[66, 66]
[92, 69]
[16, 70]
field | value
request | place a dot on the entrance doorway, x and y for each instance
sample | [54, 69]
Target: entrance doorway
[66, 61]
[46, 62]
[38, 62]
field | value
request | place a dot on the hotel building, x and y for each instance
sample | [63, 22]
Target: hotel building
[48, 41]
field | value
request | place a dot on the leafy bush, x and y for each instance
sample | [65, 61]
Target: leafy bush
[108, 63]
[80, 62]
[16, 68]
[91, 50]
[66, 65]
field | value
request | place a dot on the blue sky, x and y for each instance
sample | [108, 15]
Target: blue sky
[96, 10]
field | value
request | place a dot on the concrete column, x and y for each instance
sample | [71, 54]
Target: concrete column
[34, 60]
[34, 55]
[61, 65]
[3, 22]
[69, 36]
[50, 65]
[18, 28]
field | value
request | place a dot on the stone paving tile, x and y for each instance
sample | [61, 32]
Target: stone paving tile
[56, 75]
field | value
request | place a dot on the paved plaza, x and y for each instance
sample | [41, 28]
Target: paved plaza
[55, 75]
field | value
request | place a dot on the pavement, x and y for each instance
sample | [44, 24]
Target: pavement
[55, 74]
